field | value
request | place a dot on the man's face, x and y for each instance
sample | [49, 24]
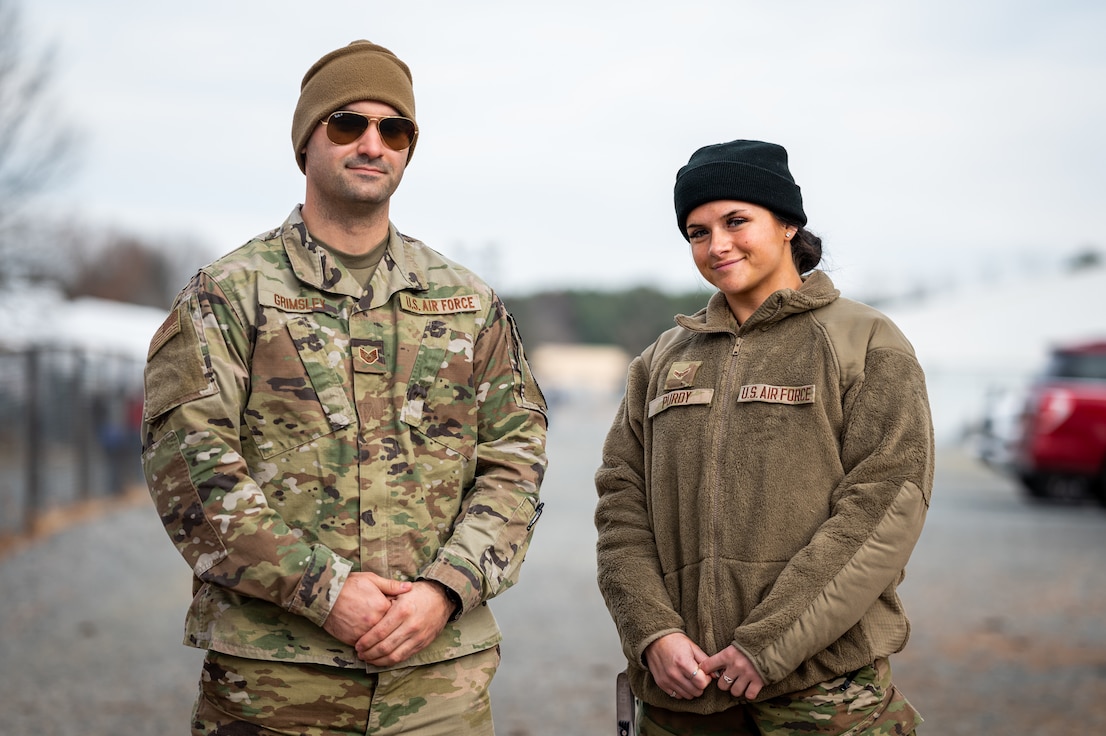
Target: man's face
[362, 172]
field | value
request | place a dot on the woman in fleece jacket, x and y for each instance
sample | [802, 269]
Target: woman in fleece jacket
[764, 481]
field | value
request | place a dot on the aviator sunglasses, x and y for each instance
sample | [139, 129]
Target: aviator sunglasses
[346, 126]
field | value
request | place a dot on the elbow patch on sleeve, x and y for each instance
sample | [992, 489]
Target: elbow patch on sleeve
[877, 564]
[175, 365]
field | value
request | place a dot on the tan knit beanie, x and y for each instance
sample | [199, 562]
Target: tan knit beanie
[360, 71]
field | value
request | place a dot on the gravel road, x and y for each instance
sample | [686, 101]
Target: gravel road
[1007, 600]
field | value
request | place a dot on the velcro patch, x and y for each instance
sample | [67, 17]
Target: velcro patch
[169, 328]
[684, 397]
[442, 305]
[300, 304]
[368, 359]
[776, 394]
[682, 374]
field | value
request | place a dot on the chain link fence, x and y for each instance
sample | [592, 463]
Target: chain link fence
[69, 430]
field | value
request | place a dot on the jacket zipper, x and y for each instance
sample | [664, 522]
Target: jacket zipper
[726, 385]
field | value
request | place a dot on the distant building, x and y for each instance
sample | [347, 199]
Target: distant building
[573, 372]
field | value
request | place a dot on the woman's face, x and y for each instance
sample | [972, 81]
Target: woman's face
[744, 251]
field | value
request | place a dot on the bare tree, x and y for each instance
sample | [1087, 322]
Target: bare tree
[123, 267]
[34, 146]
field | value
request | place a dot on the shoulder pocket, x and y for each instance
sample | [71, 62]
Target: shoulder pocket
[527, 392]
[176, 366]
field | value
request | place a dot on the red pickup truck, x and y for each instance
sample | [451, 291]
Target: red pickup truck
[1062, 448]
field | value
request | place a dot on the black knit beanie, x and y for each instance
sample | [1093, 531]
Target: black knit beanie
[745, 171]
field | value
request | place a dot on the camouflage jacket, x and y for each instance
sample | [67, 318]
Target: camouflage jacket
[299, 427]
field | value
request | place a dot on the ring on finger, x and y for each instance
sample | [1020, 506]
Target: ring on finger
[728, 679]
[673, 693]
[694, 673]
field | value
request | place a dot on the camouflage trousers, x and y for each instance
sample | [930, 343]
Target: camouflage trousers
[249, 697]
[862, 703]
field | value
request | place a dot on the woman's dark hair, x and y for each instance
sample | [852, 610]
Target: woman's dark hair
[806, 247]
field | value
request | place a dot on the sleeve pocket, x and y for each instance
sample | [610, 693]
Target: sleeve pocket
[175, 366]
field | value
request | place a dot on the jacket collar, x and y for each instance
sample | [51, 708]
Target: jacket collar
[817, 291]
[315, 266]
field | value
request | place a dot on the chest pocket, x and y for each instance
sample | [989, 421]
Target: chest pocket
[298, 393]
[441, 401]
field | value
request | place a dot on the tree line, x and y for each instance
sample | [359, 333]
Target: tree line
[629, 318]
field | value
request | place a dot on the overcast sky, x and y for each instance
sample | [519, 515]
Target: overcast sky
[940, 137]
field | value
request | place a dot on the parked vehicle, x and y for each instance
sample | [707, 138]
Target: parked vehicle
[1062, 448]
[994, 439]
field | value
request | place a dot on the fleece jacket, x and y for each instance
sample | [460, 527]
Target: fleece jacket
[763, 485]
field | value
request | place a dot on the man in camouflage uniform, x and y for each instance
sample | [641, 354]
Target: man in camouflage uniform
[344, 440]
